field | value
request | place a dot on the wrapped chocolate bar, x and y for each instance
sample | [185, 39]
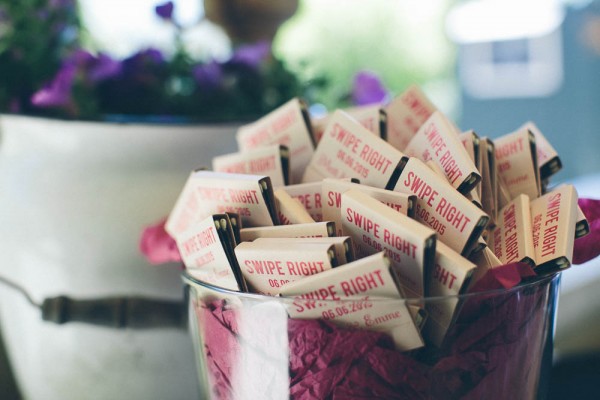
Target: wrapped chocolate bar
[348, 150]
[289, 125]
[457, 221]
[315, 229]
[582, 227]
[309, 195]
[272, 161]
[206, 193]
[290, 210]
[516, 158]
[372, 117]
[511, 240]
[375, 227]
[471, 143]
[332, 194]
[437, 140]
[449, 277]
[489, 177]
[548, 160]
[342, 245]
[554, 217]
[207, 252]
[405, 114]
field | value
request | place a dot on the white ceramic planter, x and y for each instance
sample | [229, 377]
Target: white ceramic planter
[74, 198]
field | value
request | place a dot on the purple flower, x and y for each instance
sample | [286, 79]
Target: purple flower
[209, 75]
[80, 63]
[252, 55]
[165, 10]
[104, 67]
[58, 92]
[367, 89]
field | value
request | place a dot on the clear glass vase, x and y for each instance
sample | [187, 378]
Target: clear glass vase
[248, 347]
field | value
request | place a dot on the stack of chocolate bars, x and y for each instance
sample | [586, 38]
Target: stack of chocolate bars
[372, 202]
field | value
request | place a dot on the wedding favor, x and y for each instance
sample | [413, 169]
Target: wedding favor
[554, 216]
[315, 229]
[359, 281]
[349, 150]
[405, 115]
[290, 210]
[516, 160]
[207, 192]
[375, 227]
[288, 125]
[332, 195]
[583, 227]
[272, 161]
[470, 141]
[372, 117]
[547, 158]
[456, 220]
[437, 140]
[511, 240]
[342, 245]
[309, 194]
[206, 249]
[489, 177]
[449, 277]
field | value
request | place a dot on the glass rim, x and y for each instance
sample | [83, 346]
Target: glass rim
[530, 283]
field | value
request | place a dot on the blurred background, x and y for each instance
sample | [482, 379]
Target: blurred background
[490, 65]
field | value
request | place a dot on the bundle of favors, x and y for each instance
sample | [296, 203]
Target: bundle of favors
[378, 202]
